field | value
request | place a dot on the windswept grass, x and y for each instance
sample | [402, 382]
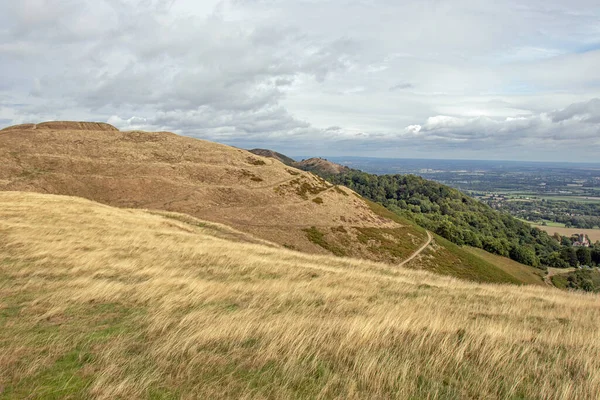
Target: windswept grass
[97, 302]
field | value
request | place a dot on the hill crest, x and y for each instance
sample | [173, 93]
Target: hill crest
[321, 166]
[273, 154]
[64, 125]
[211, 181]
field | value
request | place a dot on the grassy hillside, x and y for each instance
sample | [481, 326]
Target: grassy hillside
[446, 258]
[99, 302]
[453, 215]
[524, 273]
[223, 184]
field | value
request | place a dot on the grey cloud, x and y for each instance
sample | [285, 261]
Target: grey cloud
[574, 124]
[287, 72]
[401, 86]
[585, 112]
[207, 122]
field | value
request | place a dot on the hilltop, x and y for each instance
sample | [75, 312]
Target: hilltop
[273, 154]
[321, 166]
[257, 195]
[101, 302]
[211, 181]
[317, 165]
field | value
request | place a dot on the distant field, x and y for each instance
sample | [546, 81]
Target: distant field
[533, 196]
[555, 224]
[548, 223]
[577, 199]
[593, 234]
[523, 273]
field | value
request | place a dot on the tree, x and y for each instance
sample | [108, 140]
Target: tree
[584, 255]
[447, 230]
[595, 254]
[556, 261]
[569, 254]
[524, 255]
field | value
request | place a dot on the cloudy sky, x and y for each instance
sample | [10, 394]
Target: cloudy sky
[475, 79]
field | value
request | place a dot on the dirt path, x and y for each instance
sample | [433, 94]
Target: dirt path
[416, 253]
[556, 271]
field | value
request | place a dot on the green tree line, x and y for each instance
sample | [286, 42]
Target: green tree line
[458, 217]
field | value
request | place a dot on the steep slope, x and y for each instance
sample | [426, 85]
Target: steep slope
[100, 302]
[273, 154]
[525, 273]
[164, 171]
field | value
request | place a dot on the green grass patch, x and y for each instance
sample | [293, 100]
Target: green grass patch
[575, 198]
[449, 259]
[560, 281]
[318, 238]
[68, 342]
[543, 222]
[524, 273]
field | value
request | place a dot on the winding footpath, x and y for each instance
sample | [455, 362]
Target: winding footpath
[416, 253]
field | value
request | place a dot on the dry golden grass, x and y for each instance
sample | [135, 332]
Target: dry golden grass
[98, 302]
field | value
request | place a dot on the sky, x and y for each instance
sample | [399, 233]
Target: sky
[460, 79]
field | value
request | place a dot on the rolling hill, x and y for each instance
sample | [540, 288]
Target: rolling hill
[253, 194]
[315, 164]
[451, 214]
[102, 302]
[321, 166]
[223, 184]
[273, 154]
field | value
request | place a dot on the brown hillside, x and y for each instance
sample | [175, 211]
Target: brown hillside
[164, 171]
[321, 165]
[273, 154]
